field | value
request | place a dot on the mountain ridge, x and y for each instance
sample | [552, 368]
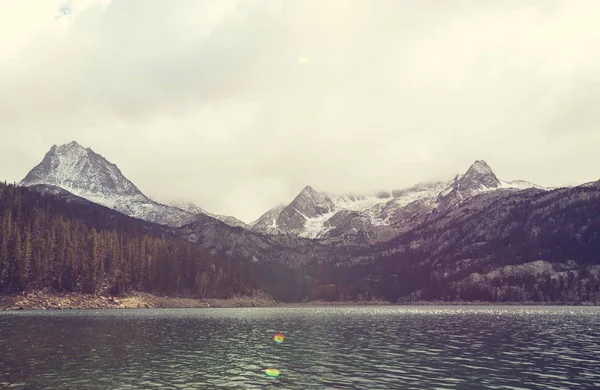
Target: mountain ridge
[313, 214]
[374, 217]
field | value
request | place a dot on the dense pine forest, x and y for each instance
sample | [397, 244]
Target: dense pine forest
[46, 242]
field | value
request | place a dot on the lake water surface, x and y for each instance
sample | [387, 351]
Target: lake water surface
[325, 348]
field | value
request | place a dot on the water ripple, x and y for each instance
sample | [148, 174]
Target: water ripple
[325, 348]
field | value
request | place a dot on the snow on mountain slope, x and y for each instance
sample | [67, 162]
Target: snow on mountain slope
[590, 184]
[231, 221]
[420, 191]
[88, 175]
[309, 204]
[81, 171]
[315, 214]
[192, 208]
[521, 185]
[189, 207]
[308, 213]
[267, 223]
[315, 227]
[360, 202]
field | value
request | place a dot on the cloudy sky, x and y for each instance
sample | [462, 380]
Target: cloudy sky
[236, 105]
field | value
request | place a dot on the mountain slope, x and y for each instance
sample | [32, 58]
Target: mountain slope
[82, 172]
[267, 223]
[192, 208]
[88, 175]
[69, 244]
[503, 245]
[378, 217]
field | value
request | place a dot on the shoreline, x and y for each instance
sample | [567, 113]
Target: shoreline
[434, 303]
[506, 303]
[40, 300]
[43, 300]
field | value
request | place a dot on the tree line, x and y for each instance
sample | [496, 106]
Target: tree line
[46, 242]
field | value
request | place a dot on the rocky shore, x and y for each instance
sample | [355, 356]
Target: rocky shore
[48, 300]
[43, 300]
[342, 303]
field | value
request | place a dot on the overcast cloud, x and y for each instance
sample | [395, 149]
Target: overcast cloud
[237, 105]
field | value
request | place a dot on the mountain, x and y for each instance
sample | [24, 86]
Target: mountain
[86, 174]
[378, 217]
[79, 175]
[189, 207]
[472, 237]
[498, 246]
[192, 208]
[591, 184]
[267, 223]
[49, 242]
[309, 214]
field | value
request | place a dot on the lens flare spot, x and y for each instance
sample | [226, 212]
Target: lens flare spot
[279, 338]
[272, 372]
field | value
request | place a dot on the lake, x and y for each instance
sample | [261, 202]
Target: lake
[382, 347]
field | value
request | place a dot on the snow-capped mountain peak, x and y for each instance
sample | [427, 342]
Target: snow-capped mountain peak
[308, 190]
[481, 167]
[82, 172]
[479, 176]
[314, 214]
[87, 174]
[311, 202]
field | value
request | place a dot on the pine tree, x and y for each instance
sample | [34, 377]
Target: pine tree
[4, 239]
[25, 263]
[15, 260]
[94, 262]
[143, 264]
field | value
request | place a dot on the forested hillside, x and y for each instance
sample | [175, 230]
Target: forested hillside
[503, 246]
[80, 246]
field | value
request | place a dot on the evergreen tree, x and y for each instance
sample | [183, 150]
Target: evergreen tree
[26, 254]
[16, 261]
[4, 239]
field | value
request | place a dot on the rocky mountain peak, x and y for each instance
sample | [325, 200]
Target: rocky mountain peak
[479, 176]
[311, 202]
[82, 172]
[70, 148]
[86, 174]
[308, 191]
[480, 166]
